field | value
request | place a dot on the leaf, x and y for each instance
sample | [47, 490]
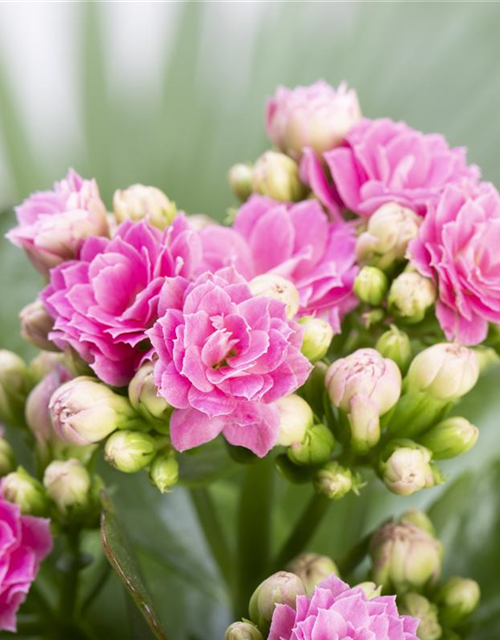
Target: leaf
[205, 464]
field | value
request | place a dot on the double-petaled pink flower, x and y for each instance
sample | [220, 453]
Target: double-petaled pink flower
[53, 224]
[24, 542]
[457, 246]
[224, 358]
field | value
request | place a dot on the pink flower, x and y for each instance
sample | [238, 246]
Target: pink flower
[24, 542]
[317, 116]
[52, 224]
[296, 242]
[224, 358]
[336, 611]
[103, 302]
[383, 161]
[457, 246]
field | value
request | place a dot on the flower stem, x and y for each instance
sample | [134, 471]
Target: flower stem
[350, 560]
[69, 590]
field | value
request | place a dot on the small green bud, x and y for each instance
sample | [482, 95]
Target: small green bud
[68, 484]
[407, 468]
[415, 605]
[271, 285]
[370, 589]
[277, 176]
[457, 599]
[36, 324]
[139, 202]
[418, 519]
[240, 180]
[15, 384]
[312, 568]
[7, 458]
[296, 417]
[396, 345]
[315, 448]
[410, 296]
[21, 488]
[318, 336]
[130, 451]
[334, 481]
[280, 588]
[450, 438]
[144, 398]
[371, 285]
[164, 471]
[243, 631]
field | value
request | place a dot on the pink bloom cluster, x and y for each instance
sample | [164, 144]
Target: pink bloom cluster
[337, 611]
[24, 542]
[224, 357]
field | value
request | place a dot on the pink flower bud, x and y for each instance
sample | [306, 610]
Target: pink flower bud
[36, 324]
[312, 568]
[280, 588]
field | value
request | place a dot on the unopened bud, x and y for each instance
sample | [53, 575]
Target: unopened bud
[410, 296]
[281, 588]
[407, 469]
[371, 285]
[277, 176]
[164, 471]
[270, 285]
[396, 345]
[417, 606]
[312, 568]
[25, 491]
[68, 484]
[418, 519]
[334, 481]
[315, 448]
[14, 387]
[37, 404]
[446, 371]
[199, 221]
[240, 180]
[457, 599]
[44, 363]
[296, 417]
[243, 631]
[318, 336]
[7, 458]
[130, 451]
[36, 324]
[370, 589]
[144, 398]
[450, 438]
[139, 202]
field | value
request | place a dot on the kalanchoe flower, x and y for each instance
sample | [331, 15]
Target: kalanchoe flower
[36, 324]
[139, 202]
[315, 448]
[130, 451]
[418, 606]
[312, 568]
[144, 397]
[52, 224]
[334, 481]
[242, 631]
[317, 116]
[24, 543]
[407, 468]
[224, 357]
[450, 438]
[22, 489]
[457, 248]
[295, 418]
[103, 302]
[410, 297]
[164, 471]
[318, 335]
[240, 180]
[396, 345]
[337, 611]
[371, 285]
[68, 484]
[271, 285]
[15, 383]
[277, 176]
[280, 588]
[457, 599]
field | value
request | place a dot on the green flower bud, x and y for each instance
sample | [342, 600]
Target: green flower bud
[15, 384]
[68, 484]
[240, 180]
[404, 558]
[415, 605]
[144, 398]
[318, 336]
[130, 451]
[315, 448]
[43, 364]
[410, 296]
[36, 324]
[457, 599]
[281, 588]
[164, 471]
[312, 568]
[334, 481]
[7, 458]
[370, 589]
[450, 438]
[296, 417]
[277, 176]
[371, 285]
[24, 490]
[270, 285]
[446, 371]
[418, 519]
[396, 345]
[139, 202]
[243, 631]
[407, 468]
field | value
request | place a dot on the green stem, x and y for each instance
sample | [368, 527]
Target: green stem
[69, 587]
[104, 570]
[304, 530]
[350, 560]
[254, 531]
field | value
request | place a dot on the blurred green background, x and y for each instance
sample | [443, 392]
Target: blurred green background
[172, 94]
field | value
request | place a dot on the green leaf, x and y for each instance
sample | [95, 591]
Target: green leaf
[205, 464]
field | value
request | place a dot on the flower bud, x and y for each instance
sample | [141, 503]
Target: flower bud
[296, 417]
[457, 599]
[25, 491]
[334, 481]
[273, 286]
[277, 176]
[138, 202]
[371, 285]
[199, 221]
[68, 484]
[36, 324]
[418, 519]
[144, 398]
[7, 458]
[446, 371]
[37, 405]
[410, 296]
[312, 568]
[14, 387]
[318, 336]
[390, 230]
[43, 364]
[164, 471]
[281, 588]
[450, 438]
[130, 451]
[396, 345]
[243, 631]
[417, 606]
[240, 180]
[404, 558]
[408, 469]
[315, 448]
[370, 589]
[84, 411]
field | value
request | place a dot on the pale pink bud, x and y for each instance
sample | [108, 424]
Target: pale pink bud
[139, 202]
[36, 324]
